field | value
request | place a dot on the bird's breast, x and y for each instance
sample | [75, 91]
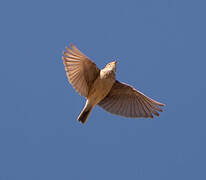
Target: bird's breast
[107, 74]
[100, 89]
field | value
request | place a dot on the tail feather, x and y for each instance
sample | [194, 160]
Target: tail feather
[84, 114]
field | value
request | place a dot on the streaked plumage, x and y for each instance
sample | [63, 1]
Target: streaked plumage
[101, 88]
[125, 100]
[81, 71]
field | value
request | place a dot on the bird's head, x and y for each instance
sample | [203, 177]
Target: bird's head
[109, 71]
[111, 66]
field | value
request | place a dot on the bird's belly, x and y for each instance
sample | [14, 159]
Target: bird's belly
[99, 90]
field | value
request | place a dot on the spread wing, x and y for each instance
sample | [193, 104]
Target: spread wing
[81, 71]
[125, 100]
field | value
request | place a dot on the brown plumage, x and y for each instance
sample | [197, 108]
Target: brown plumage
[100, 87]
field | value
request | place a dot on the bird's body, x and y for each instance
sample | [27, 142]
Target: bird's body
[100, 87]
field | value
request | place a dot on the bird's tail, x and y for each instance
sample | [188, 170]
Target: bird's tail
[85, 113]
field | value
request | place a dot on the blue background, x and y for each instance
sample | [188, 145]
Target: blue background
[160, 48]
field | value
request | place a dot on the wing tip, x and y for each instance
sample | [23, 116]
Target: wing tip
[72, 45]
[63, 58]
[161, 104]
[157, 114]
[67, 48]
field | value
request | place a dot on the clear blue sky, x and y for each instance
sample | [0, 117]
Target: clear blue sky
[160, 48]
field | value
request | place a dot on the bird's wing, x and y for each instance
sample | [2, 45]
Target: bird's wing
[81, 71]
[125, 100]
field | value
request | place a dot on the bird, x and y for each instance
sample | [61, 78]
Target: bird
[101, 88]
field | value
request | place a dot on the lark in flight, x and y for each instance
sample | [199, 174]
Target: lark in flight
[100, 87]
